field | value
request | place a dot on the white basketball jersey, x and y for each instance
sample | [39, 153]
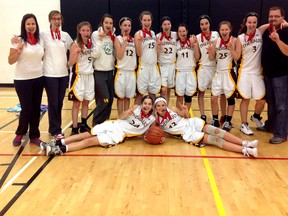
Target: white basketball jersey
[251, 53]
[149, 50]
[134, 125]
[223, 57]
[84, 63]
[129, 60]
[176, 125]
[203, 44]
[167, 53]
[185, 57]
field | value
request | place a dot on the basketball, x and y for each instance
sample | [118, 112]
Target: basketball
[154, 135]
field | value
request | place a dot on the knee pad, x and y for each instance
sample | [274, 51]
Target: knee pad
[215, 140]
[187, 99]
[215, 131]
[231, 101]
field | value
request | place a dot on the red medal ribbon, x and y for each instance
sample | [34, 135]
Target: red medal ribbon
[166, 116]
[145, 31]
[31, 38]
[89, 44]
[143, 115]
[182, 44]
[203, 35]
[166, 36]
[270, 28]
[130, 39]
[57, 34]
[251, 35]
[224, 43]
[111, 35]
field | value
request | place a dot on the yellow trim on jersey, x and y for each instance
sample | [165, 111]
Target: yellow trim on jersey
[72, 88]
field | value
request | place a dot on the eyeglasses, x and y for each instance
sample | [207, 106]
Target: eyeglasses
[56, 19]
[275, 16]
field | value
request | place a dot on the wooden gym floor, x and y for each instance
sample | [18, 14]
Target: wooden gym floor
[135, 178]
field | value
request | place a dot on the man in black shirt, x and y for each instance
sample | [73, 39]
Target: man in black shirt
[275, 67]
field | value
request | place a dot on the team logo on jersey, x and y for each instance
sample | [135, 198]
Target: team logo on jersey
[108, 48]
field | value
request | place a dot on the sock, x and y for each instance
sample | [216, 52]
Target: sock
[63, 148]
[257, 116]
[62, 141]
[215, 117]
[84, 121]
[228, 118]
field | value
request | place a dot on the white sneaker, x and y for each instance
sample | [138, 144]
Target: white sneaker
[245, 129]
[257, 121]
[250, 152]
[53, 150]
[250, 144]
[43, 145]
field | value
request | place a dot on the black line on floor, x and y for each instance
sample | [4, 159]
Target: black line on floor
[9, 123]
[11, 165]
[25, 186]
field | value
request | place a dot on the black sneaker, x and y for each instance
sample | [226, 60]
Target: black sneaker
[227, 126]
[215, 123]
[84, 128]
[74, 131]
[204, 117]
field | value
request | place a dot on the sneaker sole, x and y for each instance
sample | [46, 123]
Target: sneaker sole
[250, 134]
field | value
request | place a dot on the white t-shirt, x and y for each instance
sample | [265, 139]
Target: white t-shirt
[55, 58]
[29, 63]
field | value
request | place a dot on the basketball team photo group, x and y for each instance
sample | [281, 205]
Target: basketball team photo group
[122, 89]
[150, 64]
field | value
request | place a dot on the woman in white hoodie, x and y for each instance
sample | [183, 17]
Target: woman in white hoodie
[103, 52]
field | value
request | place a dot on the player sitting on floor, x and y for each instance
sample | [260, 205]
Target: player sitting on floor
[193, 130]
[132, 122]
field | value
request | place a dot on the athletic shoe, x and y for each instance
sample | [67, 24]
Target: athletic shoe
[74, 131]
[17, 140]
[84, 128]
[250, 152]
[250, 144]
[277, 140]
[265, 129]
[245, 129]
[58, 136]
[257, 121]
[43, 145]
[215, 123]
[227, 126]
[53, 150]
[204, 118]
[35, 141]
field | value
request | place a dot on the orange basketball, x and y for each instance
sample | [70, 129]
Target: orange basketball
[154, 135]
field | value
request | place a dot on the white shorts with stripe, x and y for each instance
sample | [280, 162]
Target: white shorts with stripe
[148, 80]
[204, 77]
[223, 83]
[186, 83]
[125, 83]
[193, 132]
[167, 75]
[251, 86]
[81, 87]
[109, 132]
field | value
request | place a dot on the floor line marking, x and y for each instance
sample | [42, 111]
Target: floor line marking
[17, 174]
[213, 184]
